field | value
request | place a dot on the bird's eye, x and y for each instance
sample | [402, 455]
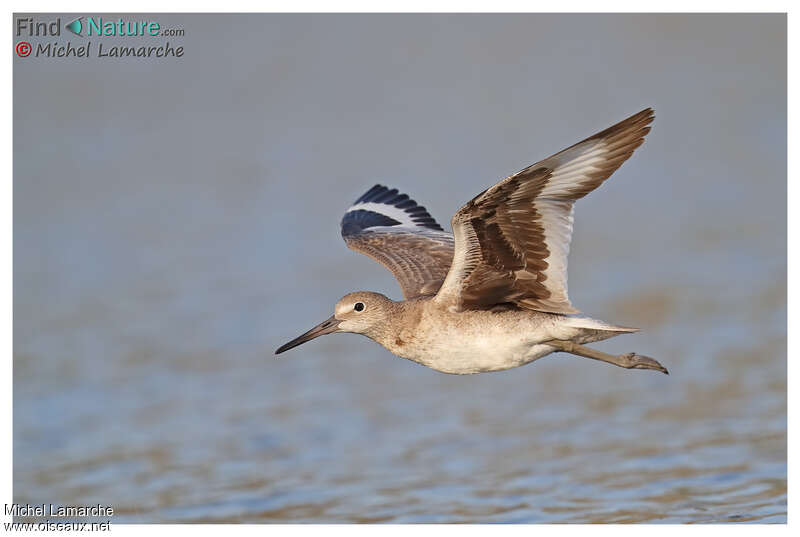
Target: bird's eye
[358, 306]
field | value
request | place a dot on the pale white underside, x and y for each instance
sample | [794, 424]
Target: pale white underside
[571, 170]
[480, 341]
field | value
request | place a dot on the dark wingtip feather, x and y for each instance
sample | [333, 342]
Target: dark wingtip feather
[359, 220]
[356, 221]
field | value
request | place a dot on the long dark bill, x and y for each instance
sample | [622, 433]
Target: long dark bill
[327, 327]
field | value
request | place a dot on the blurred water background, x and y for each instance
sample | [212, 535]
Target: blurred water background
[176, 220]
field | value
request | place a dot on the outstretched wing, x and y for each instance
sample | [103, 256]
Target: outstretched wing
[512, 240]
[393, 230]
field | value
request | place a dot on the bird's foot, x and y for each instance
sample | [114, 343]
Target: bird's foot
[628, 361]
[632, 360]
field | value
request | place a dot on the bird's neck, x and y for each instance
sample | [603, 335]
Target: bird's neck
[397, 333]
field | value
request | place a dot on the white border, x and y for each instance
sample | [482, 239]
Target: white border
[409, 6]
[360, 6]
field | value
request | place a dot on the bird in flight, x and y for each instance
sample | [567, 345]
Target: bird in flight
[493, 294]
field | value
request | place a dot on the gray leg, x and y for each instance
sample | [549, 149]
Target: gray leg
[628, 361]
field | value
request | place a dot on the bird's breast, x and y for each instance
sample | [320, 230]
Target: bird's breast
[473, 341]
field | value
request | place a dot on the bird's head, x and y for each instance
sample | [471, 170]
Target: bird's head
[361, 312]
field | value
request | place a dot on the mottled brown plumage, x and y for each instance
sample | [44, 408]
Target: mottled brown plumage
[420, 265]
[512, 240]
[494, 294]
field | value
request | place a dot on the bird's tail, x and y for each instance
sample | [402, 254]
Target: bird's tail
[596, 330]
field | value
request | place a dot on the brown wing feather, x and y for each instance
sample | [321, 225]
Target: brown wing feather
[400, 234]
[419, 261]
[512, 240]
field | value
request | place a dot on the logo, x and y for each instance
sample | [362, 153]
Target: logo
[23, 49]
[47, 37]
[75, 26]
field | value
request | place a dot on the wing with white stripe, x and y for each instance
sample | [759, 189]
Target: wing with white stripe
[512, 240]
[395, 231]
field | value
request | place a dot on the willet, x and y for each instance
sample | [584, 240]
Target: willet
[493, 294]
